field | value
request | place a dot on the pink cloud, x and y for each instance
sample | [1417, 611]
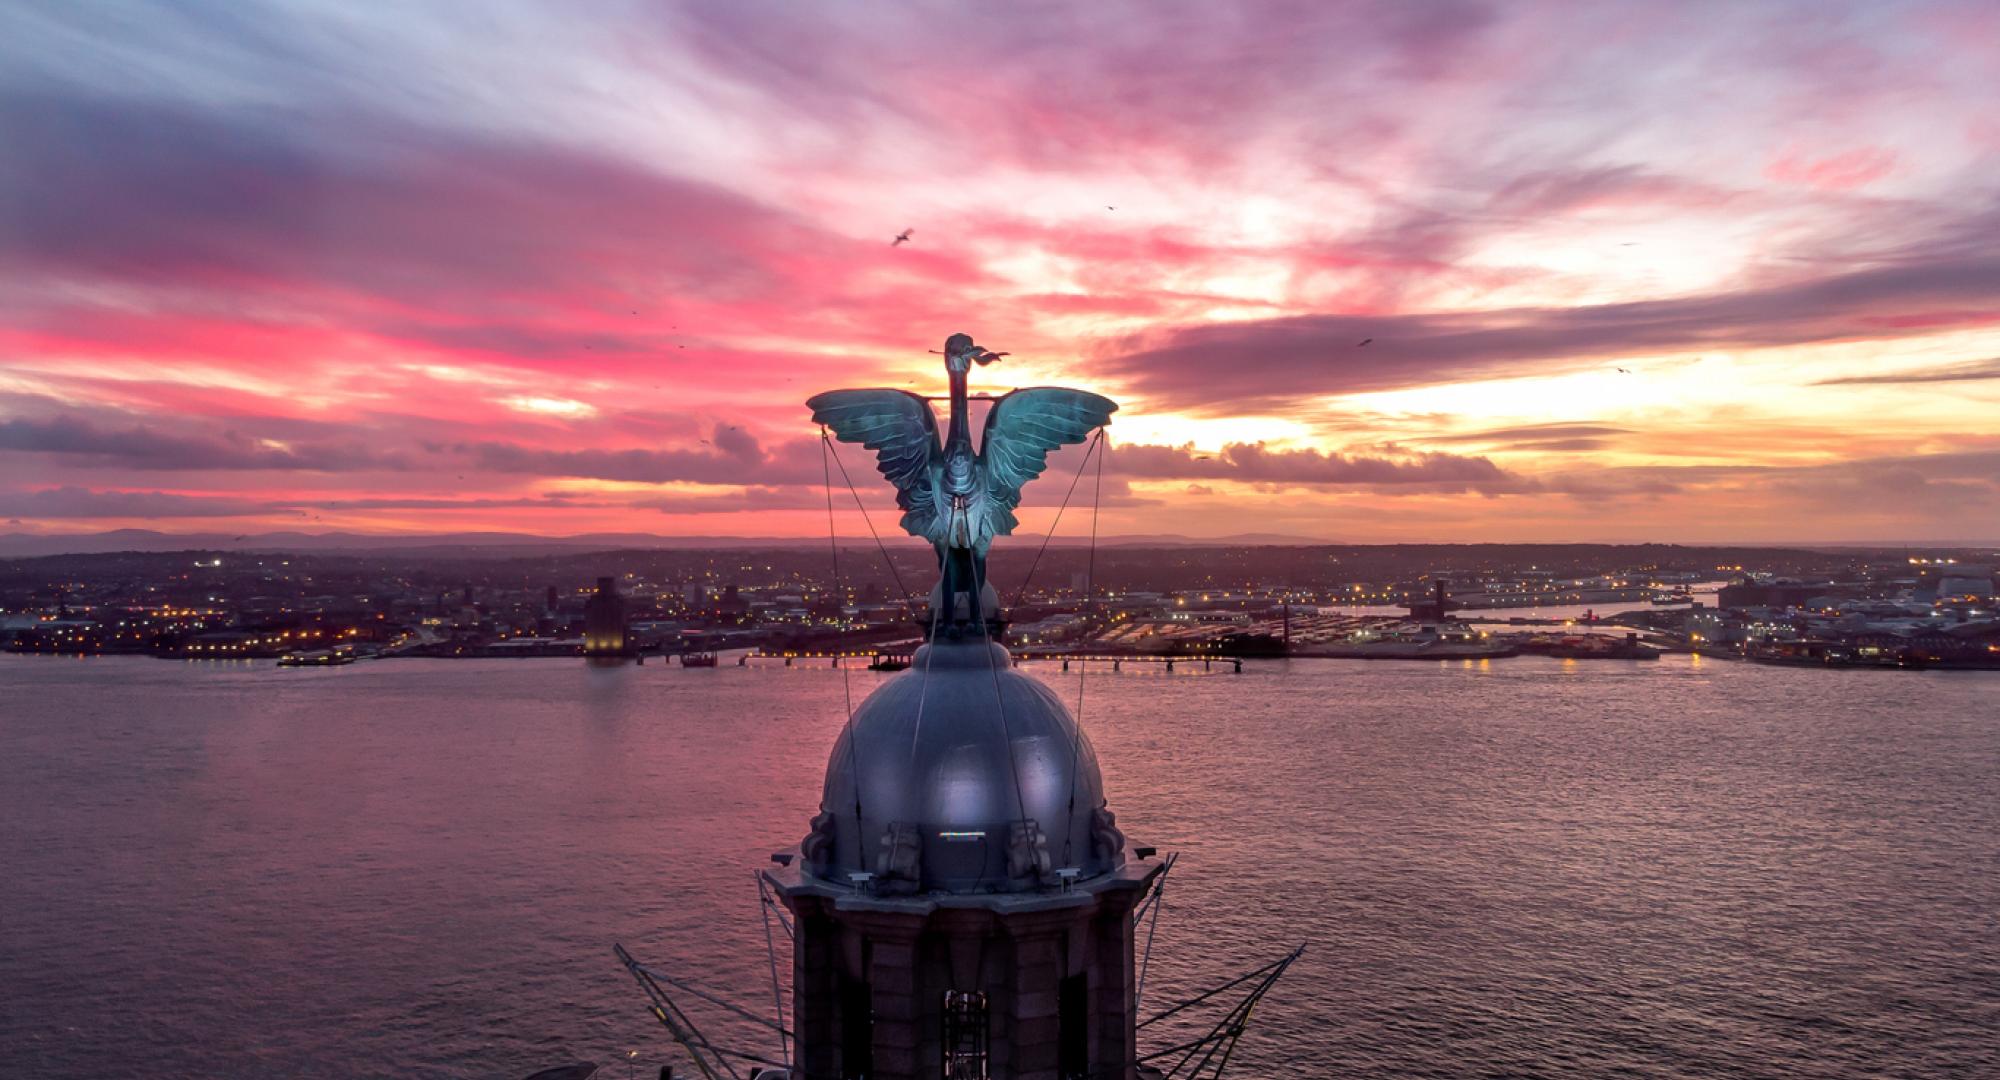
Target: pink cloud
[345, 292]
[1843, 171]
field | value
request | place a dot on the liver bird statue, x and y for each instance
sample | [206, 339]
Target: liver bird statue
[957, 497]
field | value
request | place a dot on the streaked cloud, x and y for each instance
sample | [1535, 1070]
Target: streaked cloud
[1973, 371]
[1422, 271]
[1286, 363]
[563, 407]
[145, 447]
[1258, 463]
[84, 504]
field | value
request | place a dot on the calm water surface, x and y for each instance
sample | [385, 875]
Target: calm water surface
[417, 868]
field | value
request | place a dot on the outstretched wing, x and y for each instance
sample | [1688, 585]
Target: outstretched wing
[902, 431]
[1022, 429]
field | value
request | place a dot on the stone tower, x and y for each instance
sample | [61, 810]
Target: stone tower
[963, 902]
[604, 633]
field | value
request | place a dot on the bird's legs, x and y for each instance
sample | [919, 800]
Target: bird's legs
[961, 578]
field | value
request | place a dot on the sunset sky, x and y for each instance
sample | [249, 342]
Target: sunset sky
[1625, 271]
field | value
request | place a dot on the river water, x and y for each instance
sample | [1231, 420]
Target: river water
[1525, 867]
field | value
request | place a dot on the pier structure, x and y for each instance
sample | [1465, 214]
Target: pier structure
[897, 660]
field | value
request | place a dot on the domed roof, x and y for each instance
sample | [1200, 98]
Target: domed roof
[969, 777]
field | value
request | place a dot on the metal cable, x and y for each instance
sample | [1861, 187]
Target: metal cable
[1051, 534]
[1089, 589]
[712, 999]
[924, 677]
[1157, 901]
[771, 952]
[1281, 962]
[833, 546]
[999, 701]
[846, 686]
[909, 601]
[1096, 503]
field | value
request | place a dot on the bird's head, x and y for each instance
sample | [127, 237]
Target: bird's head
[960, 354]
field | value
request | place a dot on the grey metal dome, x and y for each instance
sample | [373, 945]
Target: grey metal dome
[971, 778]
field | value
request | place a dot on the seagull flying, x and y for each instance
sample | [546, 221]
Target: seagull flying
[901, 238]
[1364, 341]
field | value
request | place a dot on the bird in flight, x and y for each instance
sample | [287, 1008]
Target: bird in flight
[1364, 341]
[1624, 371]
[1111, 208]
[901, 238]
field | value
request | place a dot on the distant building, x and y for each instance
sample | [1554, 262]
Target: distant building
[1970, 583]
[1774, 594]
[1209, 615]
[604, 621]
[1430, 609]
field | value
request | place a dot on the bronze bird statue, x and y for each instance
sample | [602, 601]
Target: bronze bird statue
[958, 497]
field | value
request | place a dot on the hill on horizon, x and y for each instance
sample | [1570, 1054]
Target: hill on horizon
[32, 545]
[20, 545]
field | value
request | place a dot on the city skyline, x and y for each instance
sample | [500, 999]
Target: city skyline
[1355, 273]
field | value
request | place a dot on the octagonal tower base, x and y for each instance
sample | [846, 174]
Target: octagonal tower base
[1029, 986]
